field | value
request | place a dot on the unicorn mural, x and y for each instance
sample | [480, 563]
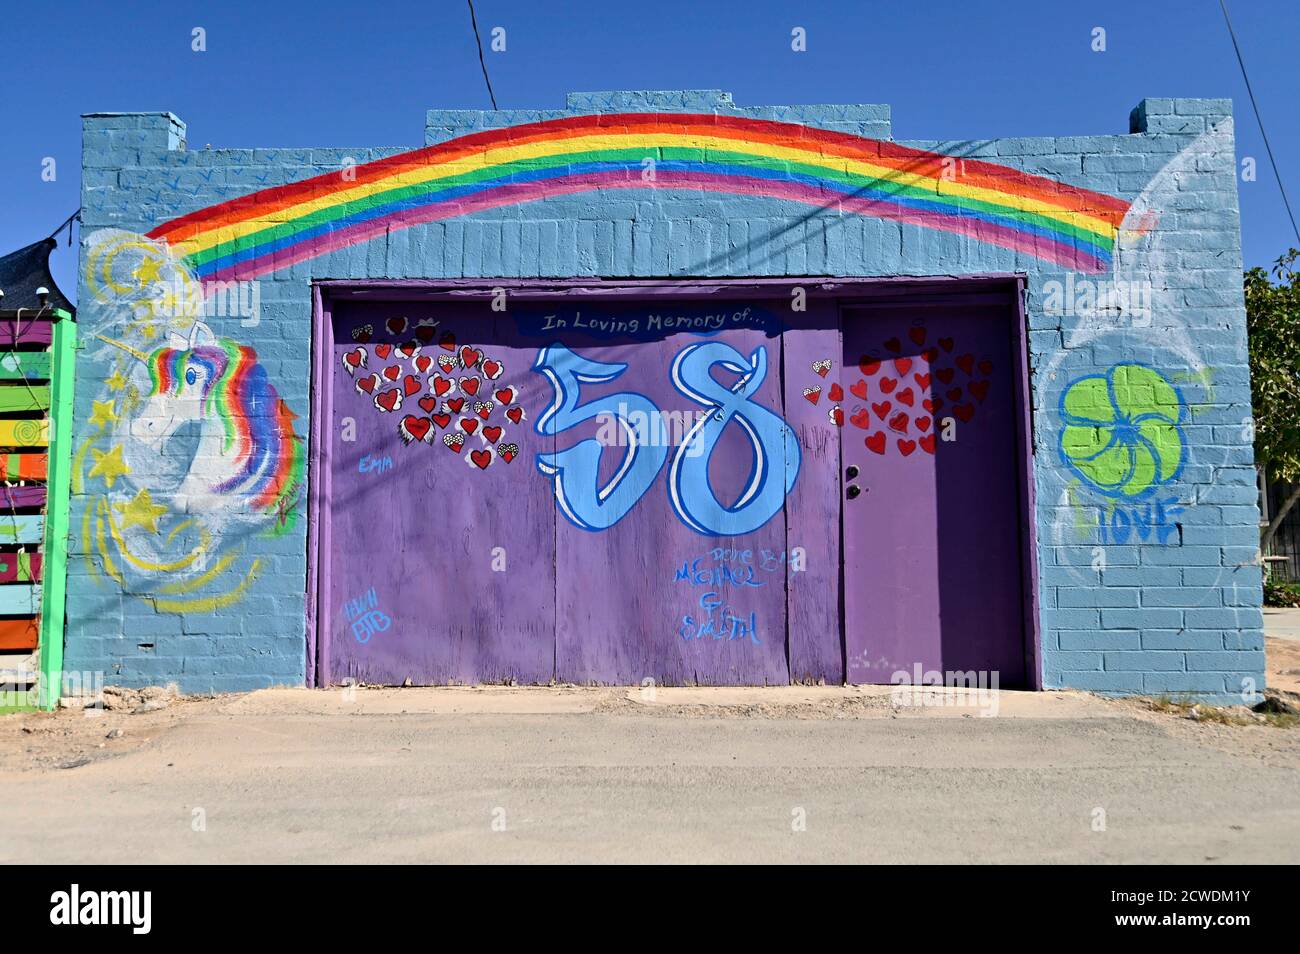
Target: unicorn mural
[190, 450]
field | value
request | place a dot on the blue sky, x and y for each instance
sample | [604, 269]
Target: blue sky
[333, 73]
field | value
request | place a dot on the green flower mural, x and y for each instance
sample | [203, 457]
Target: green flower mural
[1123, 432]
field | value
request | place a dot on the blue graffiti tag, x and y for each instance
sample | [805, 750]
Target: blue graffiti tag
[366, 619]
[719, 622]
[1118, 523]
[574, 472]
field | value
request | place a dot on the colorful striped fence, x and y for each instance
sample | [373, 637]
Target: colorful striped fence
[36, 361]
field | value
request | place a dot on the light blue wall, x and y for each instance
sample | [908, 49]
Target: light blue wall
[1182, 616]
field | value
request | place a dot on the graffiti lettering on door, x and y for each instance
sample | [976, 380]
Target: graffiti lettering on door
[574, 472]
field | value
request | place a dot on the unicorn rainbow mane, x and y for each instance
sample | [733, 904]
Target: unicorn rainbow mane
[266, 458]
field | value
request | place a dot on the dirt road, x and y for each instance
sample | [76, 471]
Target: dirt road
[798, 774]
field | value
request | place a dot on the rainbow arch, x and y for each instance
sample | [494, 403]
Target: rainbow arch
[272, 229]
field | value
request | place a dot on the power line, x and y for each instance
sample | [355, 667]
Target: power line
[1259, 119]
[481, 62]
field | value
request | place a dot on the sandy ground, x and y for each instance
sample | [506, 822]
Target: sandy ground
[577, 774]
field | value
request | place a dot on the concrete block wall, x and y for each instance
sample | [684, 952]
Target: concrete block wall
[1157, 592]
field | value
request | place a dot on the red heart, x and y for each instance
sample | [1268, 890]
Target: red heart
[423, 363]
[887, 385]
[354, 358]
[492, 368]
[967, 363]
[516, 414]
[868, 366]
[442, 420]
[389, 400]
[929, 354]
[812, 395]
[917, 335]
[894, 345]
[447, 342]
[481, 458]
[492, 432]
[505, 395]
[392, 372]
[859, 389]
[928, 405]
[483, 410]
[417, 427]
[881, 409]
[455, 404]
[837, 416]
[905, 396]
[944, 375]
[922, 380]
[860, 419]
[937, 402]
[469, 357]
[411, 385]
[383, 350]
[922, 423]
[979, 388]
[424, 333]
[507, 452]
[469, 385]
[986, 366]
[367, 383]
[876, 442]
[964, 411]
[469, 424]
[408, 348]
[396, 325]
[898, 423]
[428, 403]
[454, 442]
[903, 365]
[440, 385]
[946, 343]
[954, 394]
[907, 447]
[836, 393]
[927, 443]
[362, 334]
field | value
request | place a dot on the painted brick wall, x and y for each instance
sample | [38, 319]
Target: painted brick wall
[1153, 592]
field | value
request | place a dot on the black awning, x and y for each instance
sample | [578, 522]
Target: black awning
[24, 271]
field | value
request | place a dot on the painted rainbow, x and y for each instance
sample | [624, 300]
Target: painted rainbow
[272, 229]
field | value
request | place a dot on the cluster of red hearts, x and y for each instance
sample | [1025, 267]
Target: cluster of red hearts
[904, 395]
[460, 393]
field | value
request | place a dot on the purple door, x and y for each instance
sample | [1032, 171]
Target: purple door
[581, 492]
[932, 491]
[442, 543]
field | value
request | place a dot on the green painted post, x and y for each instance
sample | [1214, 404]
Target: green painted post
[54, 571]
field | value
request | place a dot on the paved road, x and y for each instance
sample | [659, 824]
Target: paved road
[1282, 622]
[296, 777]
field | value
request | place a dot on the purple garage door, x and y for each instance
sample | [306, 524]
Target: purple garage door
[932, 506]
[628, 490]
